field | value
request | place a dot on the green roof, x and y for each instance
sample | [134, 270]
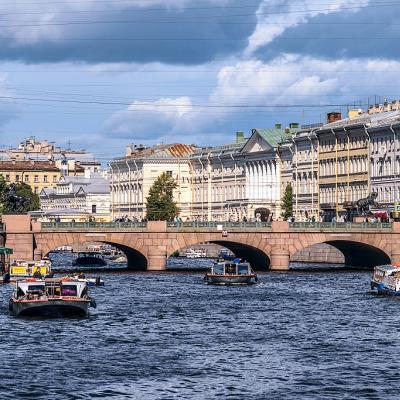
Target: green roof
[275, 136]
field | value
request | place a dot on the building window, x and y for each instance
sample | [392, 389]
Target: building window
[7, 178]
[94, 208]
[169, 173]
[54, 178]
[45, 178]
[36, 179]
[36, 190]
[26, 178]
[16, 178]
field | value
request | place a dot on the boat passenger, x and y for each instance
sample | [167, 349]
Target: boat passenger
[37, 274]
[81, 275]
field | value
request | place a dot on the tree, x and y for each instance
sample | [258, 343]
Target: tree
[287, 202]
[18, 197]
[160, 202]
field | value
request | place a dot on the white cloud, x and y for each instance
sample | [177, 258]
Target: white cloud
[275, 16]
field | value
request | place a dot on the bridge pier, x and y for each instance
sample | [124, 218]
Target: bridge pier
[157, 259]
[280, 259]
[395, 256]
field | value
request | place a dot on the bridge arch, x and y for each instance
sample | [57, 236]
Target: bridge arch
[257, 256]
[136, 253]
[356, 252]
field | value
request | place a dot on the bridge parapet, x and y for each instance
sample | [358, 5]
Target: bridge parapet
[94, 226]
[340, 226]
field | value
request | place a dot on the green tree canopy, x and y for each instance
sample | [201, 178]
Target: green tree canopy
[17, 197]
[160, 202]
[287, 202]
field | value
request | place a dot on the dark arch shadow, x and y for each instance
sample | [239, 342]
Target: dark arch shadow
[358, 254]
[136, 261]
[258, 260]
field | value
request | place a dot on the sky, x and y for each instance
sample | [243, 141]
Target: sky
[99, 74]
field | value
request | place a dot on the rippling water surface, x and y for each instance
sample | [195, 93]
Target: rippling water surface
[168, 336]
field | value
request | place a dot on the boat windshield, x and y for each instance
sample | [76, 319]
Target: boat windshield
[230, 269]
[243, 269]
[218, 269]
[69, 290]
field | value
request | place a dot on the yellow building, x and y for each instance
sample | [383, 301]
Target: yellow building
[37, 174]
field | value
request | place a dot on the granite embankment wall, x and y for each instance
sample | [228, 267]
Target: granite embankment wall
[319, 253]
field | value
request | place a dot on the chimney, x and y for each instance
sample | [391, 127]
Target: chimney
[333, 117]
[239, 137]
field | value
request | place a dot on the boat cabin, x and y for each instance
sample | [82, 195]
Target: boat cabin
[54, 288]
[383, 271]
[230, 268]
[90, 254]
[22, 268]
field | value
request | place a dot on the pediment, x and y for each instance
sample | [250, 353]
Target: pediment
[256, 144]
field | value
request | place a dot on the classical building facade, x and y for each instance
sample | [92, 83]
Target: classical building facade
[132, 176]
[37, 174]
[78, 198]
[243, 180]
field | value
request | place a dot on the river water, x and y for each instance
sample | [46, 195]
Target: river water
[297, 335]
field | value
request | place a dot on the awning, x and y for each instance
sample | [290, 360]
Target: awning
[5, 250]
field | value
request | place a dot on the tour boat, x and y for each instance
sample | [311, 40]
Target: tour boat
[386, 280]
[50, 297]
[89, 258]
[195, 253]
[22, 269]
[230, 273]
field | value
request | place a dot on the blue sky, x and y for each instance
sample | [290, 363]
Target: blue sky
[102, 74]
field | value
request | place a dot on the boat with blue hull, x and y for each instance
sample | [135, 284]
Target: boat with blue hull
[230, 273]
[386, 280]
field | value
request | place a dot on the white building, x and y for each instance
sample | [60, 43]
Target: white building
[132, 176]
[243, 179]
[78, 197]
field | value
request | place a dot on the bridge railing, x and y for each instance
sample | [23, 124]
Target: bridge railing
[215, 224]
[343, 226]
[93, 225]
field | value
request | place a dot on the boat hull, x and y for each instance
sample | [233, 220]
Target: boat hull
[54, 308]
[230, 280]
[383, 290]
[89, 261]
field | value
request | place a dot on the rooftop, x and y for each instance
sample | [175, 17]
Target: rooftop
[24, 165]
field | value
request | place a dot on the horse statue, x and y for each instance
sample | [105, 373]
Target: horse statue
[363, 206]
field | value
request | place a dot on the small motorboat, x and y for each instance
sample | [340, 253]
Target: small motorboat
[90, 258]
[386, 280]
[230, 273]
[51, 297]
[22, 269]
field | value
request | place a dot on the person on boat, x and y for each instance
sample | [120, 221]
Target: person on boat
[81, 275]
[37, 274]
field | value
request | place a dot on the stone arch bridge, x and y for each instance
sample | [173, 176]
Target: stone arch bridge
[265, 246]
